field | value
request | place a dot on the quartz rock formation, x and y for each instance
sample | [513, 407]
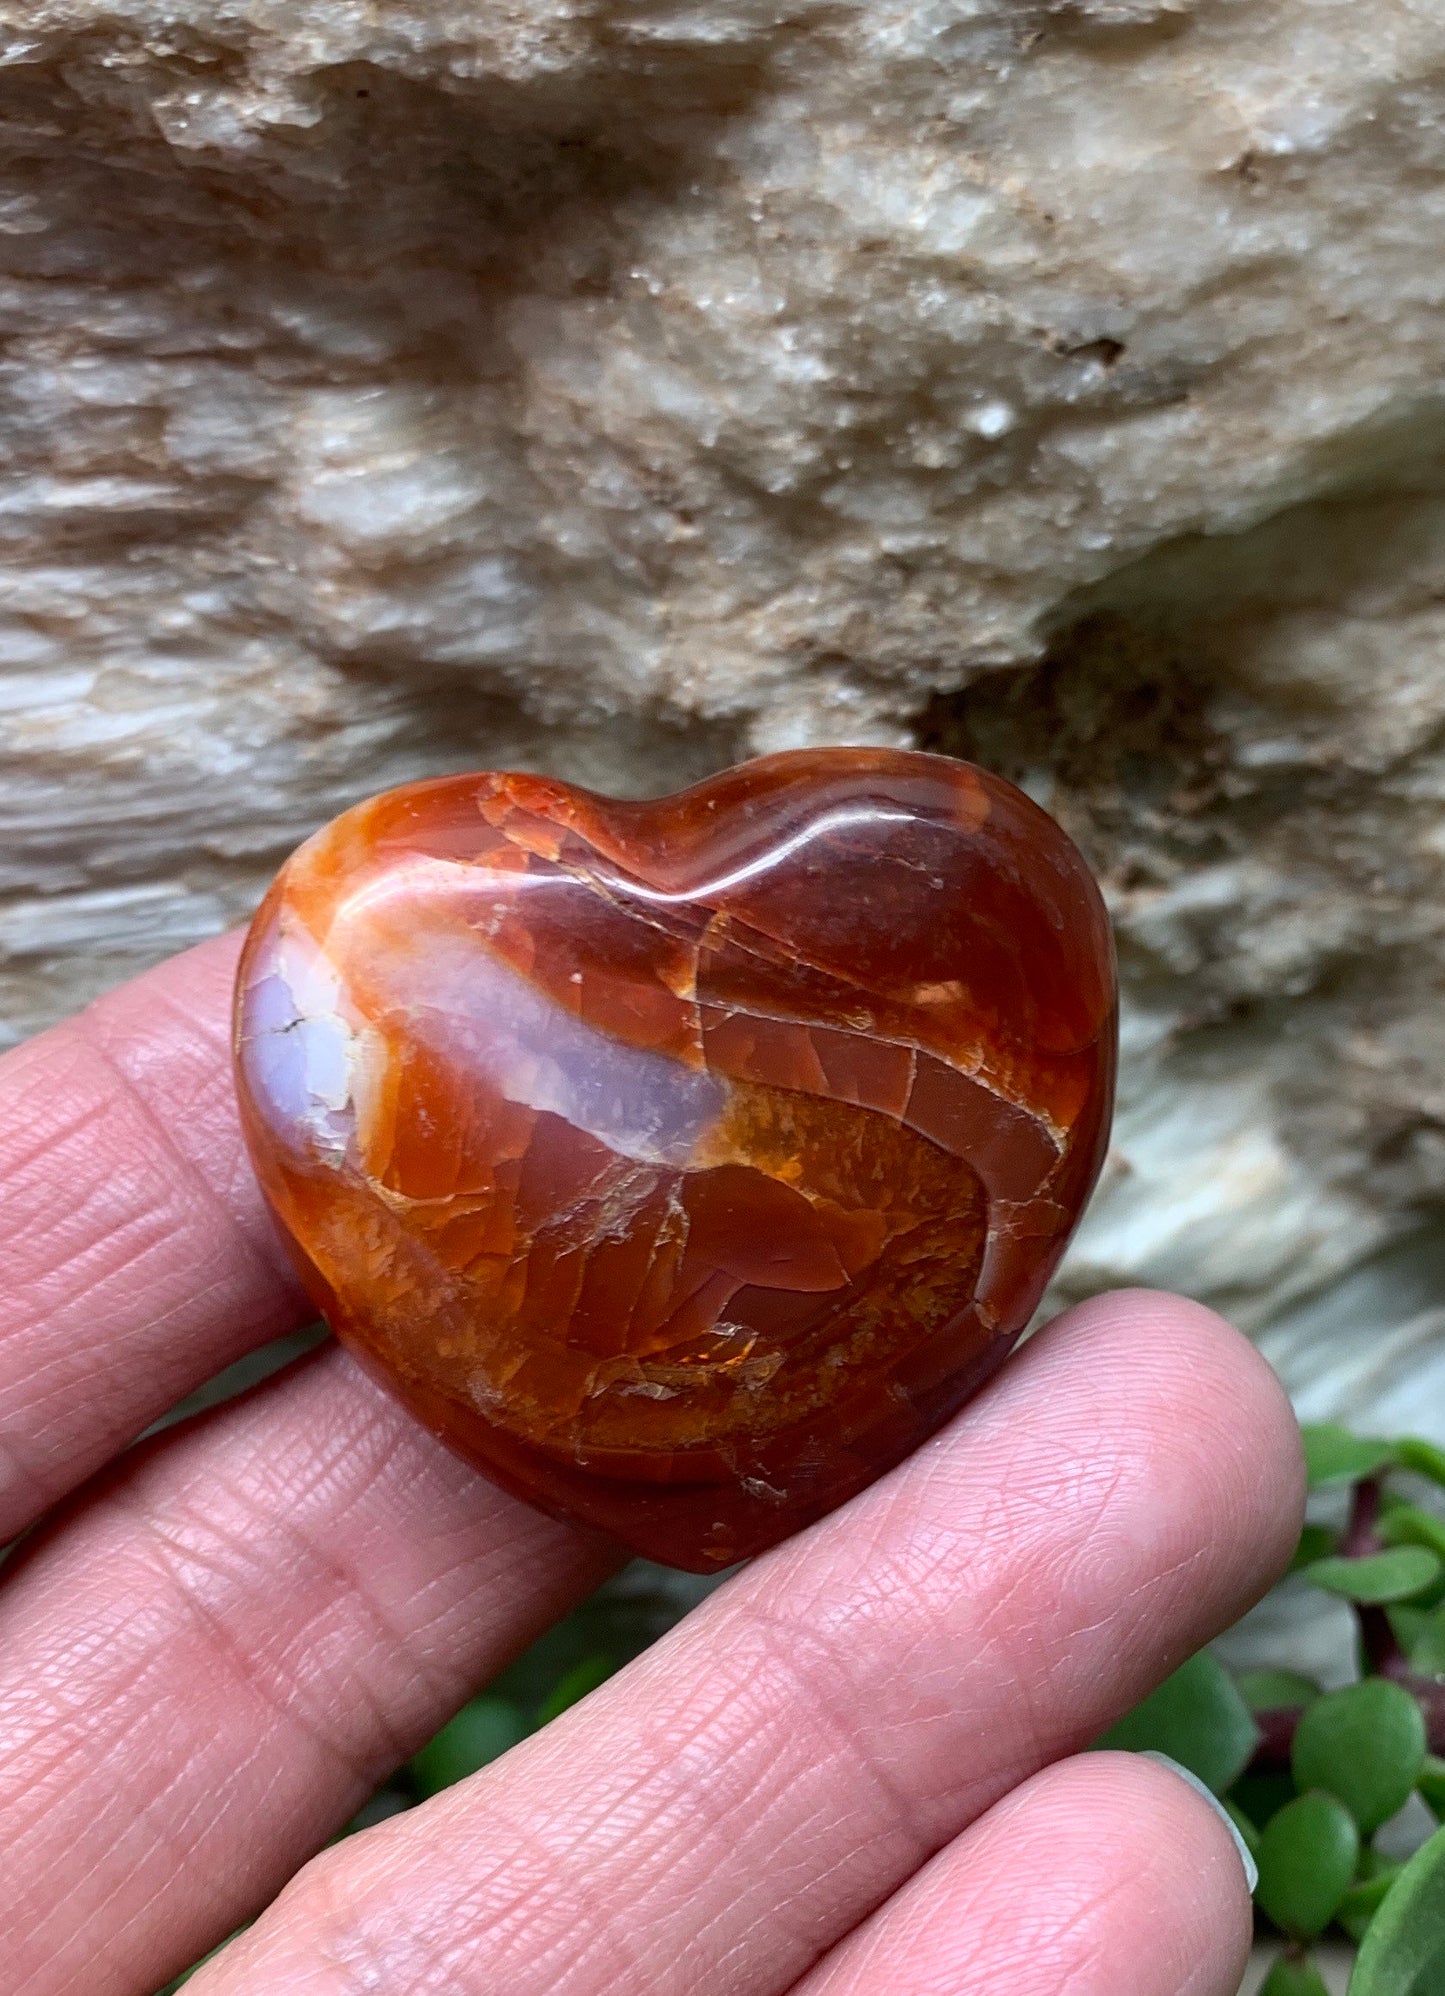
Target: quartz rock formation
[615, 387]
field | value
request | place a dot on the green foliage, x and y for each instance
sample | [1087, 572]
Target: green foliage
[1364, 1899]
[1422, 1457]
[481, 1732]
[1333, 1455]
[1354, 1756]
[1293, 1976]
[1198, 1718]
[1432, 1785]
[487, 1727]
[582, 1678]
[1315, 1542]
[1403, 1952]
[1410, 1525]
[1276, 1690]
[571, 1659]
[1364, 1745]
[1421, 1634]
[1378, 1577]
[1307, 1859]
[1259, 1791]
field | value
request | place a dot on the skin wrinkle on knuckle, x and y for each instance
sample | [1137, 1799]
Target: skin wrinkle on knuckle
[183, 1165]
[996, 1588]
[127, 1232]
[54, 1710]
[124, 1262]
[370, 1635]
[48, 1227]
[518, 1927]
[343, 1915]
[535, 1881]
[50, 1900]
[823, 1680]
[192, 1554]
[39, 1108]
[63, 1257]
[780, 1922]
[708, 1769]
[275, 1685]
[204, 1135]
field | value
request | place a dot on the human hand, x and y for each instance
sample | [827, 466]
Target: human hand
[851, 1772]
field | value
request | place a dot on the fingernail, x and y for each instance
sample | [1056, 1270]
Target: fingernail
[1251, 1869]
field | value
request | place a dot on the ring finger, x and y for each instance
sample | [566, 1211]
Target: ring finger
[1105, 1874]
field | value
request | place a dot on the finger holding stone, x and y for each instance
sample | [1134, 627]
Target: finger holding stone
[738, 1799]
[136, 1259]
[213, 1661]
[1103, 1873]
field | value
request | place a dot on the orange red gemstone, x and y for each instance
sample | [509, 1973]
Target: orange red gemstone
[682, 1164]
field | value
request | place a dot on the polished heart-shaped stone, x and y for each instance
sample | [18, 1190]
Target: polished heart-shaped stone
[682, 1164]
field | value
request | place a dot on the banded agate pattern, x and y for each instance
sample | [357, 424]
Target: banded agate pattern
[682, 1164]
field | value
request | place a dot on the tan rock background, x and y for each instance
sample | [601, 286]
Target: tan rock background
[624, 385]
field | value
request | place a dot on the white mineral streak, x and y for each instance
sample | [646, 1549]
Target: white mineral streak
[619, 386]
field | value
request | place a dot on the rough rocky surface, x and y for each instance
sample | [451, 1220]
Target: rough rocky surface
[622, 385]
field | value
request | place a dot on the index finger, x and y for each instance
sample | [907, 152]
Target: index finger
[136, 1259]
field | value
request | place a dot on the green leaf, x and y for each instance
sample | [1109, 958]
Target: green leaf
[1198, 1718]
[1373, 1865]
[1423, 1457]
[1422, 1637]
[1378, 1577]
[1315, 1542]
[1403, 1953]
[1333, 1455]
[580, 1679]
[1262, 1791]
[1276, 1690]
[1408, 1622]
[1364, 1899]
[1297, 1977]
[1431, 1785]
[480, 1732]
[1411, 1525]
[1307, 1859]
[1364, 1745]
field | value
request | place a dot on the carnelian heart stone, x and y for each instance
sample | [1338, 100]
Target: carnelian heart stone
[682, 1164]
